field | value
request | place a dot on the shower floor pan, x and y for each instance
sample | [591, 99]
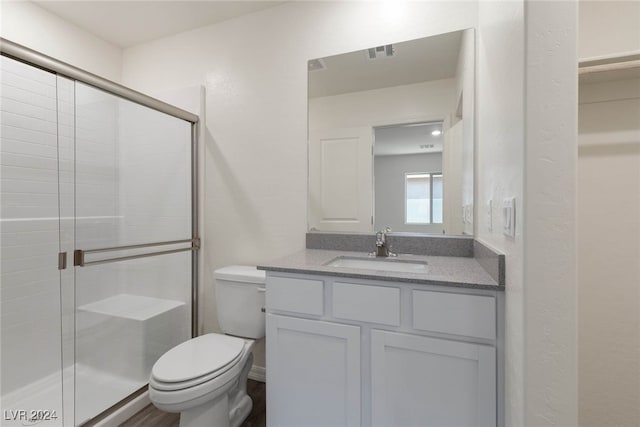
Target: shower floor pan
[101, 390]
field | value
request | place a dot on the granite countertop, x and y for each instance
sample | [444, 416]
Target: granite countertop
[462, 272]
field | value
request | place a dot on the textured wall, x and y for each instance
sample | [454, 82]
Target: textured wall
[255, 72]
[499, 169]
[549, 229]
[29, 25]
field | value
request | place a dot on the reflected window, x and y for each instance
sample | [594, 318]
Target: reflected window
[423, 198]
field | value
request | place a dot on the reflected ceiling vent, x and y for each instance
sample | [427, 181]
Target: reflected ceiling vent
[427, 146]
[316, 64]
[386, 51]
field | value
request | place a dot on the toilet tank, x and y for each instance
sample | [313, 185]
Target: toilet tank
[240, 300]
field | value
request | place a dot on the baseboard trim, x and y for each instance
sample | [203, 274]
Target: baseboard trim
[258, 373]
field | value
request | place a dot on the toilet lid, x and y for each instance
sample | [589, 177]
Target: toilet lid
[240, 273]
[197, 357]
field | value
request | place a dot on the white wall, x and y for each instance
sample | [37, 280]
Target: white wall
[609, 223]
[426, 101]
[25, 23]
[526, 149]
[549, 214]
[390, 189]
[499, 161]
[609, 253]
[608, 28]
[255, 72]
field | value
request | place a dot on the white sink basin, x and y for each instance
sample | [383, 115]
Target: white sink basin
[379, 264]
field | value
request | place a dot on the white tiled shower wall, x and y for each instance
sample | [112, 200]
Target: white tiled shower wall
[30, 306]
[37, 117]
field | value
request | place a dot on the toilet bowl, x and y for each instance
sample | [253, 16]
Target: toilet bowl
[205, 378]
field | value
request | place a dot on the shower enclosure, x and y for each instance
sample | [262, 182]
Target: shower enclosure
[98, 239]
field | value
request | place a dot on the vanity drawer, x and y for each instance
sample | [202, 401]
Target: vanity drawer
[468, 315]
[295, 295]
[375, 304]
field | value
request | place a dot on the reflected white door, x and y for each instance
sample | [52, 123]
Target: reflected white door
[340, 179]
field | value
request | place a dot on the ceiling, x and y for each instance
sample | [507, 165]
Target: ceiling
[408, 139]
[414, 61]
[127, 23]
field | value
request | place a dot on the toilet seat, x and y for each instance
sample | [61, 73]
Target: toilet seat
[181, 399]
[196, 361]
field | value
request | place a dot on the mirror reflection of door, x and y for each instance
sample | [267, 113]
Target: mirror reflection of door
[340, 183]
[386, 88]
[408, 177]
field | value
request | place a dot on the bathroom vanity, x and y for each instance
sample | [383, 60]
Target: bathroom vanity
[416, 340]
[367, 345]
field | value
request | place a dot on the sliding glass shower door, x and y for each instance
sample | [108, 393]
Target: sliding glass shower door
[31, 306]
[108, 183]
[132, 242]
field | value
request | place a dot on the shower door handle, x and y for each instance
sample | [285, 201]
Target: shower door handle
[62, 261]
[79, 254]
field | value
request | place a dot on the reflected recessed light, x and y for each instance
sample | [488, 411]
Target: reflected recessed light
[436, 133]
[316, 64]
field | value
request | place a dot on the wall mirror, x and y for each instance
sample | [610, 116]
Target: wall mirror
[391, 137]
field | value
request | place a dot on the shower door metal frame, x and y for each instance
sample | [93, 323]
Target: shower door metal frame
[31, 57]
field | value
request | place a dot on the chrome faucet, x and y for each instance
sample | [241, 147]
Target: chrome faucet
[382, 249]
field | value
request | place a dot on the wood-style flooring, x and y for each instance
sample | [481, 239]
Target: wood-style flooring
[151, 416]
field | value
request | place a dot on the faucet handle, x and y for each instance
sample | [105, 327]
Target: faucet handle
[387, 229]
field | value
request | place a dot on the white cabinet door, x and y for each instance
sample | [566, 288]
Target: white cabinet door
[340, 179]
[313, 373]
[420, 381]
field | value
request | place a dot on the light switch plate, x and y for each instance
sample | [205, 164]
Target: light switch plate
[509, 217]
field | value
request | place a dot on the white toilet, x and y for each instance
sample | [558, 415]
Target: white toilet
[205, 378]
